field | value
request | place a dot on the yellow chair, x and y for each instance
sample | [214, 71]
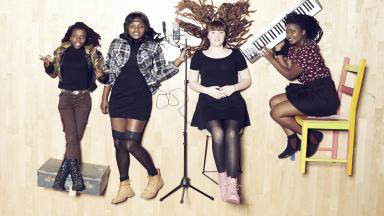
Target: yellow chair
[335, 122]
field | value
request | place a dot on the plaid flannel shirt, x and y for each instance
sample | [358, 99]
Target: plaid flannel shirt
[150, 59]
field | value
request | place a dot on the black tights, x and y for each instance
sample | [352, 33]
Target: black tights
[129, 142]
[226, 146]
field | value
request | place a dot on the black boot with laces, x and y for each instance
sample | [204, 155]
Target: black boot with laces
[61, 175]
[77, 178]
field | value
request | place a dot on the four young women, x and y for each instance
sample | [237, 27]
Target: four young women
[136, 67]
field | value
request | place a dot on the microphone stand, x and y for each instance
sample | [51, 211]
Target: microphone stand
[185, 180]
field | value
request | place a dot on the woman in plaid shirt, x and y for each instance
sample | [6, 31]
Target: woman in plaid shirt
[137, 66]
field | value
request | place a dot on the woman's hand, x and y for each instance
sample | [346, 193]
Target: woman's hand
[185, 53]
[98, 73]
[214, 91]
[47, 60]
[266, 53]
[280, 46]
[228, 90]
[104, 106]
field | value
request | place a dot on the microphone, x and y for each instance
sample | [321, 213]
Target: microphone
[176, 32]
[176, 36]
[164, 30]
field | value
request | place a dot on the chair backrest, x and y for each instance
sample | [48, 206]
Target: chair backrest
[354, 91]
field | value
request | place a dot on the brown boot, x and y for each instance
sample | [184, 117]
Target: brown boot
[125, 192]
[155, 183]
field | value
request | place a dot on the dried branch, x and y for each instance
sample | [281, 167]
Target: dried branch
[235, 16]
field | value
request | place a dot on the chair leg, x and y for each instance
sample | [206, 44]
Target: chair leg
[335, 144]
[205, 153]
[351, 142]
[304, 138]
[205, 162]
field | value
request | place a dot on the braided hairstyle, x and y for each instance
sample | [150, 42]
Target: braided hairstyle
[92, 37]
[309, 23]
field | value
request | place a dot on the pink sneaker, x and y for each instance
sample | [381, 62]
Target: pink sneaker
[223, 182]
[232, 191]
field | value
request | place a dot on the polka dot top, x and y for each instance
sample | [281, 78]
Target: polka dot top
[309, 58]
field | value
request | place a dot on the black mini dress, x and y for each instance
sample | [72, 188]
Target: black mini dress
[131, 96]
[219, 72]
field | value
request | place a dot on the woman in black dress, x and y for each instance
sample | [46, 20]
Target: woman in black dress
[315, 95]
[220, 108]
[136, 66]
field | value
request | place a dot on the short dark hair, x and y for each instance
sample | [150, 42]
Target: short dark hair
[92, 37]
[216, 25]
[309, 23]
[149, 33]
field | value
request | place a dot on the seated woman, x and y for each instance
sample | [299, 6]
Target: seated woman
[220, 107]
[315, 96]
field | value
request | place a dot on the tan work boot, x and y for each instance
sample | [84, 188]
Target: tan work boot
[125, 192]
[155, 183]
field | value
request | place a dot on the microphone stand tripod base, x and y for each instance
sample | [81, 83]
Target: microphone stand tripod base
[185, 181]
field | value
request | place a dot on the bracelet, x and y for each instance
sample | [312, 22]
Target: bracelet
[279, 52]
[103, 78]
[282, 52]
[234, 86]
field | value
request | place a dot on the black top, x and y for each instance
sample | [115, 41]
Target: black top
[74, 70]
[219, 72]
[131, 97]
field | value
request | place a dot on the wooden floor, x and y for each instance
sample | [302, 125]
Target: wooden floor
[31, 131]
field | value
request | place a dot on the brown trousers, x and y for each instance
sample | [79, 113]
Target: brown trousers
[74, 112]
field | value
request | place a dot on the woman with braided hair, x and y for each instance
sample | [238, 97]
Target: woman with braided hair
[316, 95]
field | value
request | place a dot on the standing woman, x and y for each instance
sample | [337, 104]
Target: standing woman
[315, 95]
[77, 62]
[220, 108]
[136, 66]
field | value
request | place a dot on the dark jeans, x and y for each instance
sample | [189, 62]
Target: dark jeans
[74, 112]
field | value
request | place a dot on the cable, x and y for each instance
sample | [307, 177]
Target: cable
[170, 99]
